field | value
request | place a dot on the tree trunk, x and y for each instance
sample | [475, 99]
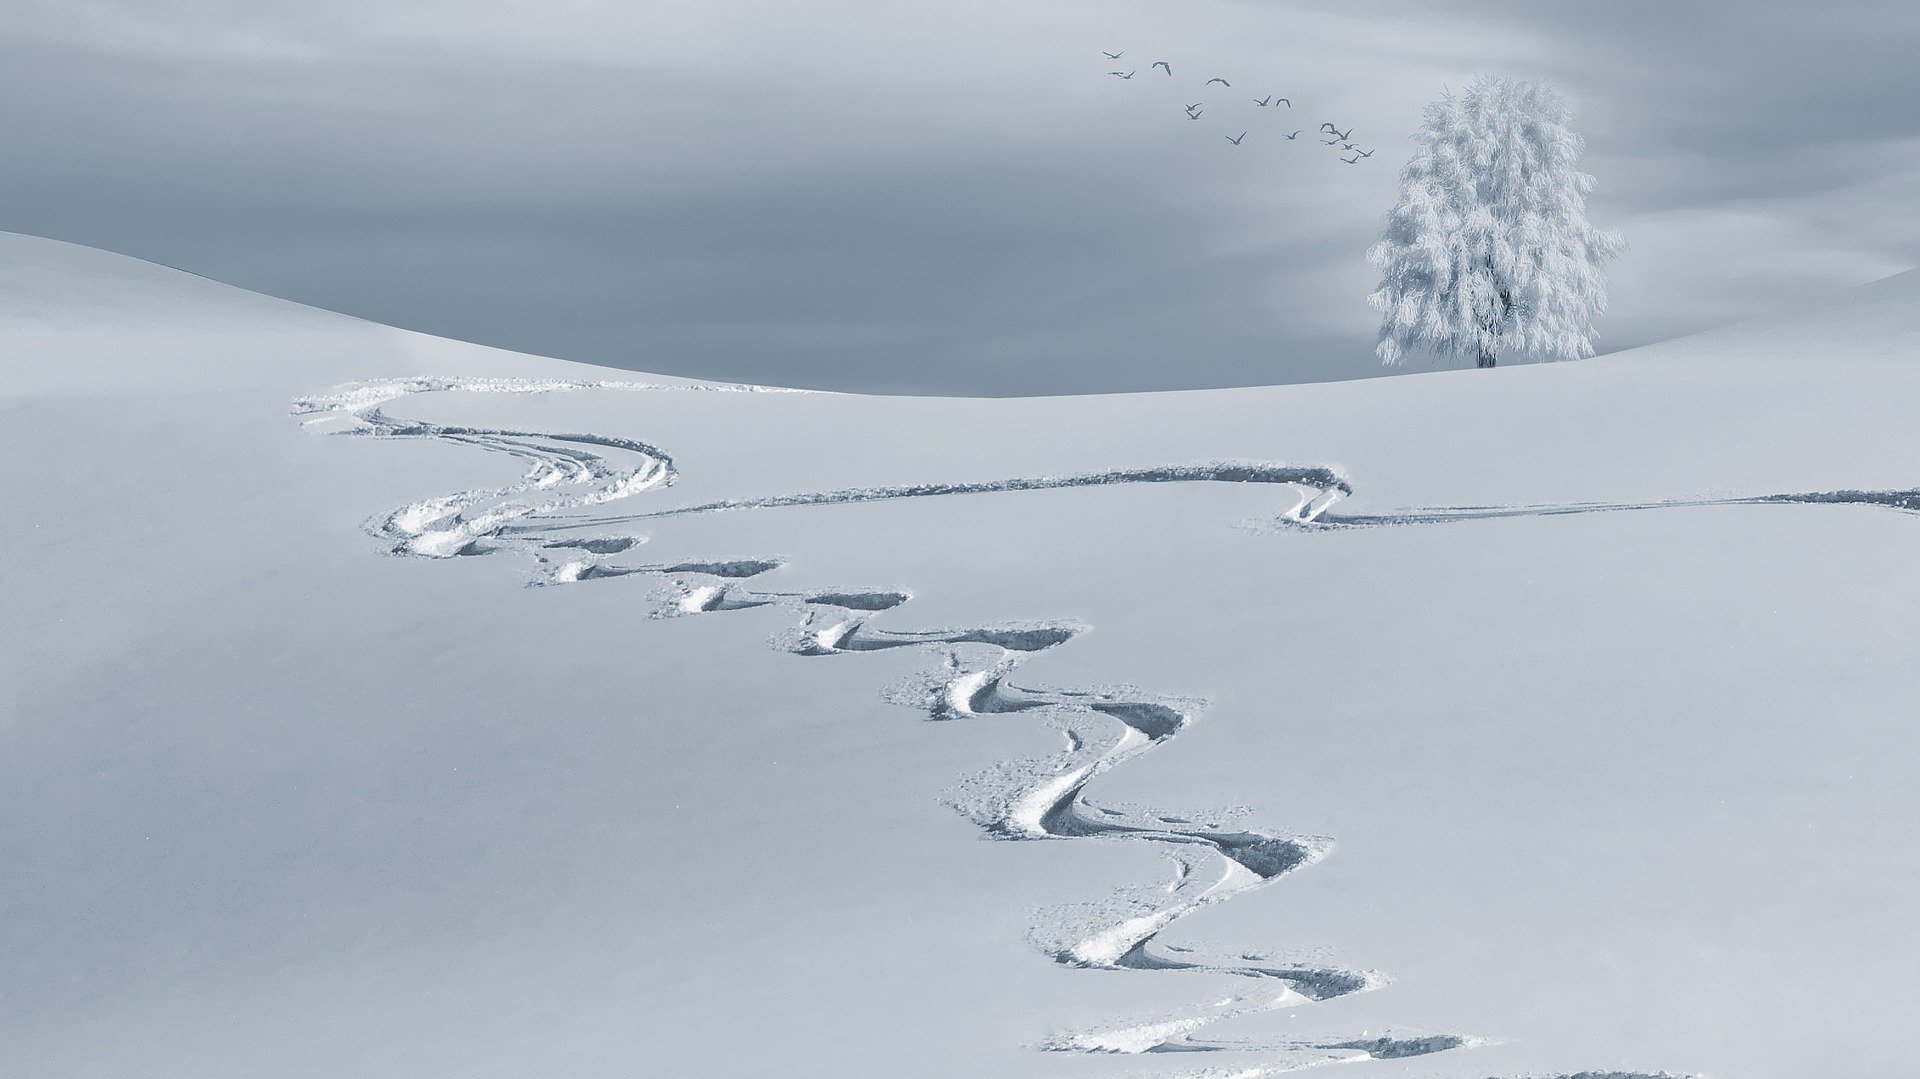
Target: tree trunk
[1494, 322]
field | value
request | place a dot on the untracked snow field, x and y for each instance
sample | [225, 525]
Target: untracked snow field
[382, 705]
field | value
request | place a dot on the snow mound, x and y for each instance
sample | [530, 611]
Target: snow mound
[1563, 657]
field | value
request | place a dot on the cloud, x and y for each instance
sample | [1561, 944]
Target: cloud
[944, 197]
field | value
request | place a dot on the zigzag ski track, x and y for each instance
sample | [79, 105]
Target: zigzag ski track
[553, 518]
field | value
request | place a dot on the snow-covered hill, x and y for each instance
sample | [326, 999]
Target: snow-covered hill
[380, 705]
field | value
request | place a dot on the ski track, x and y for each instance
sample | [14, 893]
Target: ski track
[569, 474]
[1899, 501]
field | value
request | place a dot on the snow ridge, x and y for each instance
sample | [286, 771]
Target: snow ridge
[541, 518]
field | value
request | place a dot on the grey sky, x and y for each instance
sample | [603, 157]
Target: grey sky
[938, 197]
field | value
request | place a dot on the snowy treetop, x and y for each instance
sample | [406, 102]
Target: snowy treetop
[1489, 250]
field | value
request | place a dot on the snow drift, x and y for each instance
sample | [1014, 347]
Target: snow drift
[1498, 785]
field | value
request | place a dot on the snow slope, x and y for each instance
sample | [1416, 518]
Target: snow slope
[1549, 721]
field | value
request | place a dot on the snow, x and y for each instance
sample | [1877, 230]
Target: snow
[1596, 679]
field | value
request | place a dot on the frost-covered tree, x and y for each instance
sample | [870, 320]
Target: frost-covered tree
[1489, 251]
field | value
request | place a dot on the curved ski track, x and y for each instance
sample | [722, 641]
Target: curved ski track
[547, 515]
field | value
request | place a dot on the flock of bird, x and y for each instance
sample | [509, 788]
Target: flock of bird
[1331, 135]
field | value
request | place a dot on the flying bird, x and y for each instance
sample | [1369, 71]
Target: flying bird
[1233, 140]
[1113, 55]
[1324, 126]
[1195, 105]
[1222, 82]
[1123, 75]
[1363, 153]
[1346, 146]
[1344, 135]
[1293, 136]
[1354, 160]
[1163, 63]
[1328, 142]
[1264, 102]
[1284, 101]
[1195, 115]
